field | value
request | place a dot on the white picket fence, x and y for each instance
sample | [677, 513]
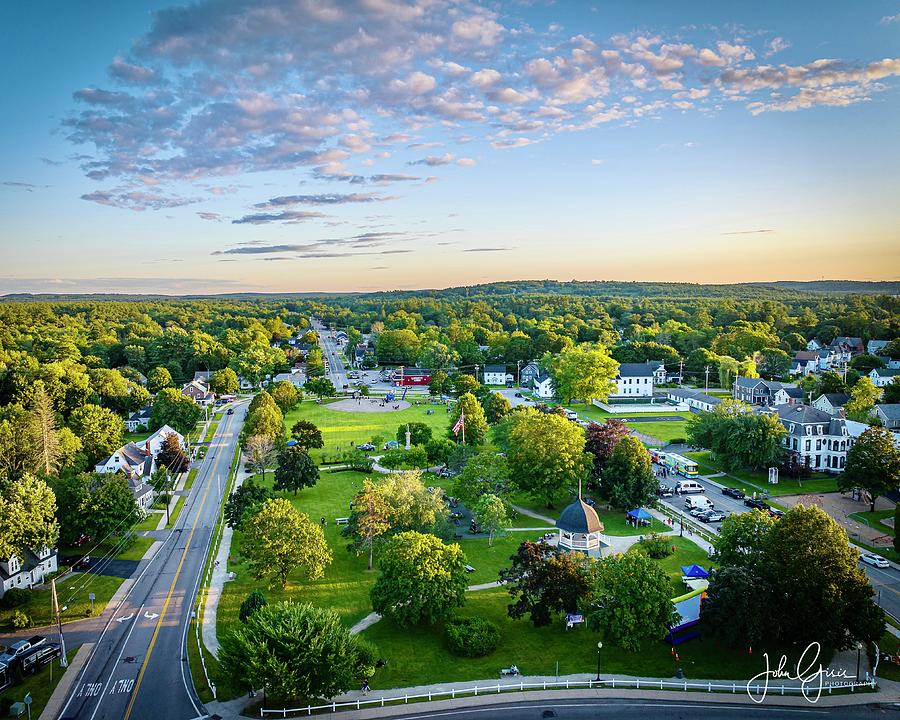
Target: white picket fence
[478, 690]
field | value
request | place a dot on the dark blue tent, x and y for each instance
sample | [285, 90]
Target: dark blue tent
[694, 571]
[291, 443]
[639, 514]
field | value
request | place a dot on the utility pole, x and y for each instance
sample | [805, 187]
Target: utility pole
[476, 372]
[706, 370]
[63, 661]
[681, 372]
[519, 373]
[168, 496]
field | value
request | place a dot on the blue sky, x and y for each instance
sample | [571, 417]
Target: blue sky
[292, 145]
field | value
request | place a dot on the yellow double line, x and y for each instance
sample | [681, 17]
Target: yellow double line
[165, 608]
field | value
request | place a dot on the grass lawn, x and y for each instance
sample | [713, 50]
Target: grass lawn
[342, 430]
[173, 516]
[686, 553]
[40, 685]
[213, 426]
[419, 655]
[137, 438]
[189, 483]
[137, 549]
[134, 550]
[890, 645]
[73, 590]
[759, 481]
[665, 431]
[874, 520]
[150, 522]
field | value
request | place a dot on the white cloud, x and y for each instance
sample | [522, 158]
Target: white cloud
[485, 78]
[596, 162]
[465, 162]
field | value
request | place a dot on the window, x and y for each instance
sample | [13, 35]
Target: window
[808, 442]
[818, 444]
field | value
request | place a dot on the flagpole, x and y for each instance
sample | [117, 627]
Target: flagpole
[462, 417]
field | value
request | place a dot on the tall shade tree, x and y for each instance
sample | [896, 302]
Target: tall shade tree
[543, 582]
[307, 435]
[259, 451]
[295, 652]
[600, 441]
[224, 382]
[422, 581]
[175, 410]
[631, 600]
[737, 606]
[99, 429]
[372, 518]
[583, 372]
[474, 421]
[19, 451]
[27, 517]
[278, 539]
[244, 499]
[295, 470]
[873, 464]
[628, 479]
[863, 396]
[892, 391]
[320, 387]
[158, 378]
[172, 456]
[490, 515]
[419, 433]
[285, 395]
[486, 473]
[496, 407]
[266, 421]
[743, 538]
[45, 431]
[546, 455]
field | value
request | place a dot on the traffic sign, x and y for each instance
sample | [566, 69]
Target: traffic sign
[27, 699]
[92, 597]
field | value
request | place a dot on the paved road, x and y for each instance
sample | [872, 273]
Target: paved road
[635, 709]
[885, 581]
[337, 372]
[138, 668]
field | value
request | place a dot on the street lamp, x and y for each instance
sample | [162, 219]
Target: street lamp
[599, 648]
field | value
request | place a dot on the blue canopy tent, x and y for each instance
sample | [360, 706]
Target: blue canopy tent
[639, 514]
[290, 443]
[694, 571]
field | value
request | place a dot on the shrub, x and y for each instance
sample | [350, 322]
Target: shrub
[14, 597]
[415, 457]
[253, 602]
[471, 637]
[20, 620]
[656, 546]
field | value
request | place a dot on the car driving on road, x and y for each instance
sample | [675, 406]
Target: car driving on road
[733, 492]
[874, 560]
[756, 504]
[711, 516]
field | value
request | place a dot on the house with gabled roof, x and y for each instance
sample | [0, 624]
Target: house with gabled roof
[543, 386]
[635, 380]
[755, 391]
[138, 420]
[874, 347]
[882, 377]
[494, 375]
[788, 395]
[804, 362]
[28, 570]
[889, 415]
[199, 392]
[528, 373]
[832, 403]
[814, 438]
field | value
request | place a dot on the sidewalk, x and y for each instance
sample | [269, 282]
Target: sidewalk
[61, 692]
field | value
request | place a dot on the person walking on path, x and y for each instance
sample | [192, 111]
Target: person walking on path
[365, 687]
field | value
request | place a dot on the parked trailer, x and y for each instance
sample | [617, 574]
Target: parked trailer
[681, 465]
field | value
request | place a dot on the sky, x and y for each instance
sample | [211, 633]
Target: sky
[356, 145]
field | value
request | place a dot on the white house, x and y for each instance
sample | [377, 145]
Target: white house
[805, 362]
[543, 386]
[635, 380]
[788, 395]
[695, 400]
[659, 371]
[813, 345]
[882, 377]
[495, 375]
[294, 377]
[138, 420]
[244, 383]
[814, 438]
[874, 347]
[24, 572]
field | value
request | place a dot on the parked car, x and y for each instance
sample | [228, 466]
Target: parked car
[230, 411]
[874, 560]
[366, 447]
[685, 487]
[518, 394]
[698, 511]
[665, 490]
[698, 502]
[775, 512]
[83, 564]
[757, 504]
[711, 516]
[445, 472]
[733, 492]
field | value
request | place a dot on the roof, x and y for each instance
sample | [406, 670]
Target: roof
[495, 369]
[579, 517]
[875, 345]
[849, 341]
[792, 391]
[688, 393]
[542, 378]
[415, 372]
[141, 414]
[889, 410]
[887, 372]
[636, 370]
[836, 399]
[806, 355]
[805, 415]
[202, 375]
[746, 382]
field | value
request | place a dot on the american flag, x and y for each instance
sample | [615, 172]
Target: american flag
[459, 423]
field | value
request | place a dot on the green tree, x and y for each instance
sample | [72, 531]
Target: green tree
[628, 479]
[824, 595]
[27, 517]
[873, 464]
[474, 421]
[496, 407]
[544, 583]
[546, 455]
[743, 537]
[175, 410]
[99, 429]
[244, 499]
[295, 470]
[158, 378]
[285, 395]
[295, 651]
[440, 383]
[892, 391]
[397, 347]
[307, 435]
[464, 383]
[830, 382]
[490, 515]
[419, 432]
[863, 396]
[320, 387]
[44, 430]
[163, 484]
[737, 606]
[583, 372]
[486, 473]
[438, 450]
[422, 581]
[224, 382]
[260, 453]
[267, 421]
[278, 539]
[19, 448]
[866, 363]
[631, 600]
[256, 600]
[371, 519]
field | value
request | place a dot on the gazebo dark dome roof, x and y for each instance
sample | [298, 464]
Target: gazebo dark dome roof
[579, 517]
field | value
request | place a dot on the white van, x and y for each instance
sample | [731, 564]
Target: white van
[698, 502]
[685, 487]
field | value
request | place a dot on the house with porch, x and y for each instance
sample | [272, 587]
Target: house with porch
[28, 570]
[804, 362]
[755, 391]
[889, 415]
[528, 373]
[882, 377]
[138, 420]
[788, 395]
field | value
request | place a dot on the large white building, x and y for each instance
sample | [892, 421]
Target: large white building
[814, 438]
[635, 380]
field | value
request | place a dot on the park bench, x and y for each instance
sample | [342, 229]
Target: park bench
[341, 521]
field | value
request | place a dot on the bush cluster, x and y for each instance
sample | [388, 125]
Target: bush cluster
[471, 637]
[656, 546]
[14, 597]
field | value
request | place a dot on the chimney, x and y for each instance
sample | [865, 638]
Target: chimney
[147, 448]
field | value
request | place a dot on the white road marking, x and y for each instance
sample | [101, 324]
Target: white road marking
[124, 618]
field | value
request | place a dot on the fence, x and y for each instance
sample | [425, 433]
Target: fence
[636, 684]
[689, 523]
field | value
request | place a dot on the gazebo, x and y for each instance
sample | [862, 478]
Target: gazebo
[579, 527]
